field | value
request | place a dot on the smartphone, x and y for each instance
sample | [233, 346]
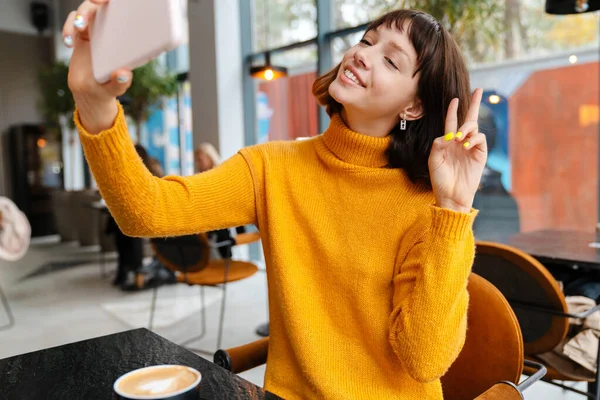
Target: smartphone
[129, 33]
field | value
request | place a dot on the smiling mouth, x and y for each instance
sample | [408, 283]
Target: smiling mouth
[352, 77]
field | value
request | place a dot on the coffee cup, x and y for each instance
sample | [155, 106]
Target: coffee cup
[159, 382]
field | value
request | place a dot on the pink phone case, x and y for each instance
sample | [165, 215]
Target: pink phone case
[129, 33]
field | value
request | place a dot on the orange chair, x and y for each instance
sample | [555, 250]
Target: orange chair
[540, 307]
[189, 257]
[488, 368]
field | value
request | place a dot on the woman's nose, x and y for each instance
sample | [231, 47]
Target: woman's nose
[361, 58]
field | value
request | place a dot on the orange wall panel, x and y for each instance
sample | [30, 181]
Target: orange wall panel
[553, 140]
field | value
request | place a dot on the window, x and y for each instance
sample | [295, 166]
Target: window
[297, 59]
[285, 108]
[341, 44]
[540, 111]
[540, 108]
[521, 29]
[167, 135]
[276, 23]
[349, 13]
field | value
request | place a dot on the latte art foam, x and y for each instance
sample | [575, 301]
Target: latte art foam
[157, 381]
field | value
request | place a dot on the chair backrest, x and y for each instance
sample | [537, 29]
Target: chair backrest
[501, 391]
[524, 281]
[493, 349]
[86, 217]
[190, 253]
[63, 204]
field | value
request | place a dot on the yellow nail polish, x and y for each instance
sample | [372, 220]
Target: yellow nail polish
[459, 134]
[79, 21]
[466, 145]
[449, 136]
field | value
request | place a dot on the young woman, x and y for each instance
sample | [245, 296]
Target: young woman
[367, 228]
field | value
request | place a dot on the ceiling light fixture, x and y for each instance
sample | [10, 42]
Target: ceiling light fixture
[267, 71]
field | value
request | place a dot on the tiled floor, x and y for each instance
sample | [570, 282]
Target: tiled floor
[66, 306]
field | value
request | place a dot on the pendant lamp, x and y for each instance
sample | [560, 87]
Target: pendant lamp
[563, 7]
[267, 71]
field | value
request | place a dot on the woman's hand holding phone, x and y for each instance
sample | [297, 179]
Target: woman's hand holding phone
[96, 102]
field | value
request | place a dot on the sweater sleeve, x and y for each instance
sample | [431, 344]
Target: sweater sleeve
[429, 318]
[146, 206]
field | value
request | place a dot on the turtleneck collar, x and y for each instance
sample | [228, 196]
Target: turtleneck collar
[353, 147]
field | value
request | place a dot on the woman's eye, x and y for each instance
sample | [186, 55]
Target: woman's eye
[389, 61]
[366, 42]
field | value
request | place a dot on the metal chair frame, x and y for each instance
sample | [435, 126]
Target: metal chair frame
[222, 287]
[593, 387]
[11, 319]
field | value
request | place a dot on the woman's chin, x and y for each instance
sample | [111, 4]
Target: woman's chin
[338, 92]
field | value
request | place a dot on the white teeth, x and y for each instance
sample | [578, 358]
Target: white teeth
[350, 75]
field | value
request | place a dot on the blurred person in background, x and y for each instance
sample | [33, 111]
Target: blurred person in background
[206, 157]
[130, 250]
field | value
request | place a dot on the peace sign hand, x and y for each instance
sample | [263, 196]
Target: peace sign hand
[457, 160]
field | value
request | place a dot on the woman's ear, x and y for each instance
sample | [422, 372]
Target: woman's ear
[414, 112]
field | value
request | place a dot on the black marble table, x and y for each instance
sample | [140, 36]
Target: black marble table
[87, 370]
[559, 247]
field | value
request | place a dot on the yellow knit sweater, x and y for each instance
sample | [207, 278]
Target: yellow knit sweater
[367, 278]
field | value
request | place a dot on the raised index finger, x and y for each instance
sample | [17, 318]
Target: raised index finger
[452, 117]
[473, 113]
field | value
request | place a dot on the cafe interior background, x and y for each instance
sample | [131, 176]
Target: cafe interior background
[539, 72]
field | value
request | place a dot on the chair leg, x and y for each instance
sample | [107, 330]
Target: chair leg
[593, 387]
[221, 318]
[11, 319]
[203, 316]
[263, 329]
[223, 303]
[153, 308]
[203, 332]
[103, 263]
[203, 319]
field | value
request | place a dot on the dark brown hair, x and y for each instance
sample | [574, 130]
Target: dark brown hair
[444, 76]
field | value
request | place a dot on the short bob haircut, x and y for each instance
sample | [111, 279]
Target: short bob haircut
[443, 76]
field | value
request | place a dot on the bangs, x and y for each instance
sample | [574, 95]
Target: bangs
[424, 32]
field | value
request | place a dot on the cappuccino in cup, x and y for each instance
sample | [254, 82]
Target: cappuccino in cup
[160, 382]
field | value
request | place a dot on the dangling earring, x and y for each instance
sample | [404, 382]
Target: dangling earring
[403, 123]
